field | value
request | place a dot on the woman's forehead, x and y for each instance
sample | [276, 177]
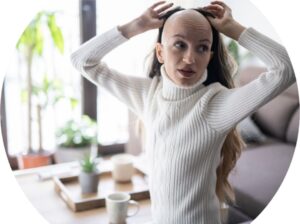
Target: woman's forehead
[187, 22]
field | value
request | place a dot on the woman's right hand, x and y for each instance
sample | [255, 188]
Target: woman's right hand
[150, 19]
[223, 21]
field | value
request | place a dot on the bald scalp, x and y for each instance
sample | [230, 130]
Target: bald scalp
[188, 19]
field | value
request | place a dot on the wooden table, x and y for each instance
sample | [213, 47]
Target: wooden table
[43, 197]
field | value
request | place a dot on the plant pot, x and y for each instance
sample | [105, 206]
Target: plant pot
[89, 182]
[35, 159]
[62, 154]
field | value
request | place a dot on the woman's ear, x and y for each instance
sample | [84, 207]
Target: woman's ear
[159, 52]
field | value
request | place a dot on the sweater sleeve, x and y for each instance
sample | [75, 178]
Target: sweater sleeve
[229, 106]
[87, 60]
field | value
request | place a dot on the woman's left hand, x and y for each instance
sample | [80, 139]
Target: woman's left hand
[224, 21]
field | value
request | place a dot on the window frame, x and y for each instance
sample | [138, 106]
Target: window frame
[11, 159]
[88, 29]
[89, 91]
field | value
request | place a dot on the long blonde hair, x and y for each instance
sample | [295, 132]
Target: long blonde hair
[233, 144]
[220, 69]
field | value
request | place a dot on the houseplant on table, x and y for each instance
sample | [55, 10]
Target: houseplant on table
[89, 175]
[31, 45]
[75, 139]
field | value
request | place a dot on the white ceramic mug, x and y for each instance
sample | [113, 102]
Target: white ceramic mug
[122, 167]
[117, 207]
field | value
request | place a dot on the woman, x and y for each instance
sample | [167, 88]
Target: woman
[188, 105]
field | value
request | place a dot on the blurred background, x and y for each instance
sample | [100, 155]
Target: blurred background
[45, 98]
[51, 115]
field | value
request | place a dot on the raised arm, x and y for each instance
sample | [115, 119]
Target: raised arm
[230, 106]
[150, 19]
[87, 59]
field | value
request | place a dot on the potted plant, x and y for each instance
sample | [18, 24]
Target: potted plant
[31, 45]
[89, 176]
[75, 139]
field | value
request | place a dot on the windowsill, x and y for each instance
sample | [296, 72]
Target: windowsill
[69, 168]
[102, 150]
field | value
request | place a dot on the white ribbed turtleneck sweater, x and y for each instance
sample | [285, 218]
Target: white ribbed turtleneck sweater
[186, 126]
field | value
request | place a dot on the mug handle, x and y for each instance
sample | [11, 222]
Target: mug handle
[136, 204]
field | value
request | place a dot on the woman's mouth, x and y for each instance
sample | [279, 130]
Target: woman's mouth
[186, 73]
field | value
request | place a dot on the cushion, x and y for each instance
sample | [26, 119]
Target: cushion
[280, 109]
[292, 130]
[250, 132]
[258, 174]
[292, 91]
[273, 118]
[236, 217]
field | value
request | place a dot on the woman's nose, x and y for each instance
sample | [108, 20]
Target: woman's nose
[189, 57]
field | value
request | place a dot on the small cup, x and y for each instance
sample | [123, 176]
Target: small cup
[117, 207]
[123, 168]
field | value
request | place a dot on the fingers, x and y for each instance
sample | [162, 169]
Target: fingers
[221, 3]
[216, 10]
[157, 4]
[163, 8]
[159, 9]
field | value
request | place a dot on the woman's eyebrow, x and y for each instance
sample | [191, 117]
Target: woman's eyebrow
[184, 37]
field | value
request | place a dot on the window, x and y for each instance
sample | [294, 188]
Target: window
[127, 58]
[55, 66]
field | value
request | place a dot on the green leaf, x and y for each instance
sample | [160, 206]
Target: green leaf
[22, 40]
[36, 90]
[73, 102]
[24, 96]
[56, 33]
[46, 84]
[88, 165]
[26, 40]
[78, 133]
[39, 39]
[234, 50]
[33, 34]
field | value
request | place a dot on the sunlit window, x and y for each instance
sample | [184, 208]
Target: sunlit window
[128, 58]
[53, 66]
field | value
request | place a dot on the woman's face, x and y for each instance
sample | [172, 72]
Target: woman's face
[185, 48]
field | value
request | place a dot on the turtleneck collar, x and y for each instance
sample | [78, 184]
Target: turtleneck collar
[172, 91]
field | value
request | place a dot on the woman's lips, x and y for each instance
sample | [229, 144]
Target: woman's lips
[186, 73]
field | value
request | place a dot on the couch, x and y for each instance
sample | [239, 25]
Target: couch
[263, 164]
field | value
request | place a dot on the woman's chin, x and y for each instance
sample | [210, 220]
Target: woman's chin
[186, 80]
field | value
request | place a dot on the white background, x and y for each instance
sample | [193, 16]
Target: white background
[15, 14]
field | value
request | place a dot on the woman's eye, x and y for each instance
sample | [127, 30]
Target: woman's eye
[179, 45]
[203, 48]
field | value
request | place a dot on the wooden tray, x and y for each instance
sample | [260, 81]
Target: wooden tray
[69, 190]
